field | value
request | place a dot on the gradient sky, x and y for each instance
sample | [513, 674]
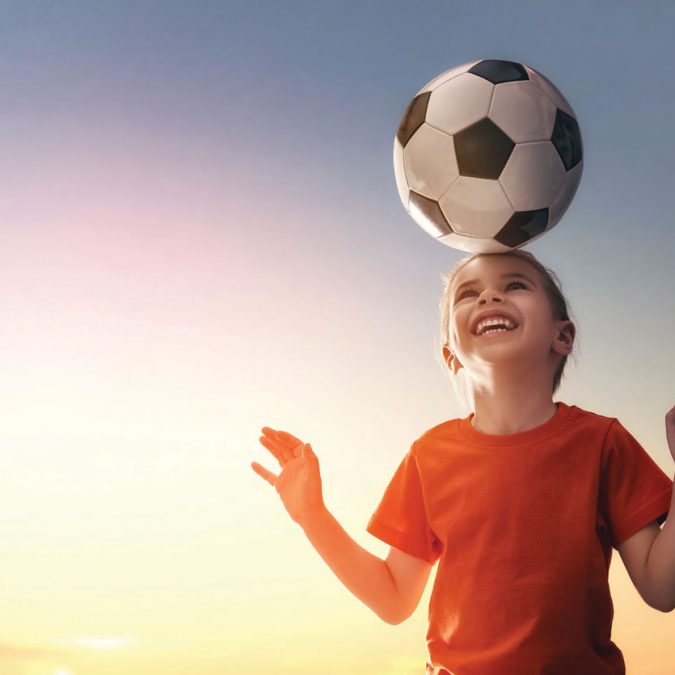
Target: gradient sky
[201, 235]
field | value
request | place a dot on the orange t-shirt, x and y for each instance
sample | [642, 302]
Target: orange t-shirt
[522, 527]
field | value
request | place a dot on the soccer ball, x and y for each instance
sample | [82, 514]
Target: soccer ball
[488, 156]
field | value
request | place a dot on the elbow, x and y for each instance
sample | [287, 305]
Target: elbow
[399, 619]
[662, 606]
[393, 618]
[665, 610]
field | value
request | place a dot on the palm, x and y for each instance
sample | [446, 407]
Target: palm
[295, 484]
[299, 482]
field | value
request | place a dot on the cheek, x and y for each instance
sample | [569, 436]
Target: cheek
[540, 323]
[456, 327]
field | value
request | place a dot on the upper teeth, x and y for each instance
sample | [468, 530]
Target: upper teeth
[485, 323]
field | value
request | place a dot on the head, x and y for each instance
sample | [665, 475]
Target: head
[535, 298]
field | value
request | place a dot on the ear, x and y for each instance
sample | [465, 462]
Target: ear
[451, 359]
[564, 340]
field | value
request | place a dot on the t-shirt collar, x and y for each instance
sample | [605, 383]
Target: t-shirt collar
[535, 434]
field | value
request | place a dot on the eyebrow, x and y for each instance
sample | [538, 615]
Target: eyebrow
[517, 275]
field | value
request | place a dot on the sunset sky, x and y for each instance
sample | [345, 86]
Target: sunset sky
[201, 235]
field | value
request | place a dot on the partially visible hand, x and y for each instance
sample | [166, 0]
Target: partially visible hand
[299, 483]
[670, 430]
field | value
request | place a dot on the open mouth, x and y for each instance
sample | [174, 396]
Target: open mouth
[495, 331]
[494, 326]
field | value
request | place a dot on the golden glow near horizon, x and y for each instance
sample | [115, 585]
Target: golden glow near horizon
[101, 642]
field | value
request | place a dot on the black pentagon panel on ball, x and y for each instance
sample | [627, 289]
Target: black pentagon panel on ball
[522, 226]
[413, 117]
[497, 71]
[566, 138]
[482, 150]
[431, 212]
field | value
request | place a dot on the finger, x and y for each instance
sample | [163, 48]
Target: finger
[282, 441]
[280, 445]
[270, 477]
[308, 453]
[290, 441]
[276, 448]
[279, 448]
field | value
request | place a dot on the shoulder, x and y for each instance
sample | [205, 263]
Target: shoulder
[588, 422]
[435, 436]
[618, 445]
[613, 429]
[590, 416]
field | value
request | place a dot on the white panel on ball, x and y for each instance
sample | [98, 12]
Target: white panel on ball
[525, 115]
[533, 176]
[429, 161]
[551, 90]
[459, 207]
[445, 76]
[443, 112]
[473, 245]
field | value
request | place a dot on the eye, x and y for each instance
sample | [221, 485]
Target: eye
[463, 293]
[469, 290]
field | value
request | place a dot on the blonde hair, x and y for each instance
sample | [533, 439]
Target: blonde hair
[552, 287]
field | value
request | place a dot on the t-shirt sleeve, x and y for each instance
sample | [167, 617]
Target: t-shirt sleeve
[401, 520]
[634, 490]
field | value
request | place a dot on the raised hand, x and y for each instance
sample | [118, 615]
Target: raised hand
[299, 483]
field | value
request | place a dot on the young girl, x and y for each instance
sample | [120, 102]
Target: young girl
[520, 503]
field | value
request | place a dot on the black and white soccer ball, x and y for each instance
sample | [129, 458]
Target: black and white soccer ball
[488, 156]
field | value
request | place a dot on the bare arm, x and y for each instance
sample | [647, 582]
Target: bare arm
[364, 574]
[390, 588]
[411, 575]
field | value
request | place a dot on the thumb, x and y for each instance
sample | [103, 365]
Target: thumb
[308, 453]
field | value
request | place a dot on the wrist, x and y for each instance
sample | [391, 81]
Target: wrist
[314, 519]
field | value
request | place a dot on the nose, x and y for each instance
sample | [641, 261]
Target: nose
[492, 294]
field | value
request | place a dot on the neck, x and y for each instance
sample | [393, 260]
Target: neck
[508, 405]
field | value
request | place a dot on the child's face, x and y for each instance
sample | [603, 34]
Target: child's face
[506, 286]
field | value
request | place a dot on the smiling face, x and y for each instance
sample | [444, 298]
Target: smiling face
[507, 287]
